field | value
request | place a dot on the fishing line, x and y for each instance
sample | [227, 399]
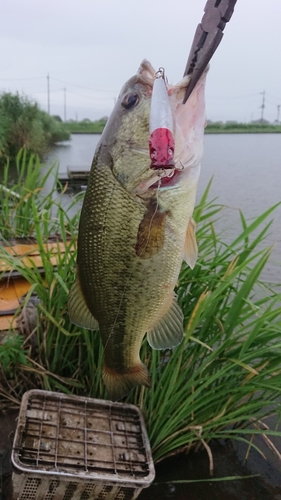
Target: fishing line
[153, 216]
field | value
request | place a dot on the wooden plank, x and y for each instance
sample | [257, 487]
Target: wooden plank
[8, 296]
[6, 322]
[8, 305]
[29, 255]
[21, 286]
[12, 288]
[11, 292]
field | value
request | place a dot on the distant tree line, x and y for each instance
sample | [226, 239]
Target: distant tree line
[24, 125]
[87, 126]
[236, 127]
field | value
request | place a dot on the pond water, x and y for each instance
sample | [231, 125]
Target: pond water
[246, 171]
[247, 177]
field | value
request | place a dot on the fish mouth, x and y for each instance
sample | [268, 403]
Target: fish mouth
[160, 179]
[167, 177]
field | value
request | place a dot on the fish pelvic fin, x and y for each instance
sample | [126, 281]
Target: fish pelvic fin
[168, 331]
[118, 384]
[190, 246]
[78, 310]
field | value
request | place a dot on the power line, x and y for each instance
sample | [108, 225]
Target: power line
[274, 96]
[21, 79]
[221, 97]
[82, 86]
[57, 80]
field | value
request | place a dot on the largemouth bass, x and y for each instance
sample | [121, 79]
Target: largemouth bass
[135, 229]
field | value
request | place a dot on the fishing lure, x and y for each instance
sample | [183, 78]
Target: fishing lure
[161, 141]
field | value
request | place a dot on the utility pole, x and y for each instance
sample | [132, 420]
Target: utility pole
[278, 113]
[263, 104]
[48, 93]
[64, 104]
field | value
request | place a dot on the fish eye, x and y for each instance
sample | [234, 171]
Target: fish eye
[130, 100]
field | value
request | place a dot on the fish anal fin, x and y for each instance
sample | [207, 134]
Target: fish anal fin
[118, 384]
[190, 246]
[168, 331]
[151, 233]
[78, 310]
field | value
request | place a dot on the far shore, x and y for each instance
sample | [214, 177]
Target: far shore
[212, 128]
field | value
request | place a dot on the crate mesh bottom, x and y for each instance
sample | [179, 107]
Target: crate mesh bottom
[70, 448]
[82, 438]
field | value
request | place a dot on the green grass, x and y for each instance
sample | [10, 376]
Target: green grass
[23, 207]
[242, 128]
[86, 126]
[220, 382]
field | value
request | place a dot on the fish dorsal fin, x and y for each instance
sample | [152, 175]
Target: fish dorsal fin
[190, 246]
[78, 309]
[168, 332]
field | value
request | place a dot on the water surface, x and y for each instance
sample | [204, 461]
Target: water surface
[247, 177]
[246, 170]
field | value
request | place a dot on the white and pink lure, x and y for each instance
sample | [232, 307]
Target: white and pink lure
[161, 142]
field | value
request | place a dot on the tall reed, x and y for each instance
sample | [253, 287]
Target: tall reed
[17, 201]
[220, 382]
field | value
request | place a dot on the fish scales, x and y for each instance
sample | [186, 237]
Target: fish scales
[131, 243]
[109, 257]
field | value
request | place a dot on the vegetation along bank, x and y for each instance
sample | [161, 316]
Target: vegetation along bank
[24, 125]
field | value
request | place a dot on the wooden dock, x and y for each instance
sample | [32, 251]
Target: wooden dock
[74, 180]
[12, 285]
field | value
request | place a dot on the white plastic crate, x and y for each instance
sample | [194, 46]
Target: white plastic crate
[74, 448]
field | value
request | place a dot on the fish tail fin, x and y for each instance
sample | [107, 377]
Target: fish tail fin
[118, 384]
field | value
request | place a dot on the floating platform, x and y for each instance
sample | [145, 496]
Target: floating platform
[74, 180]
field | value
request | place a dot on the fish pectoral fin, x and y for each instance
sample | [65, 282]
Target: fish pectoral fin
[190, 246]
[168, 332]
[78, 310]
[151, 233]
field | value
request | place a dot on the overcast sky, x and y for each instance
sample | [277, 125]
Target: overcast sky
[91, 47]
